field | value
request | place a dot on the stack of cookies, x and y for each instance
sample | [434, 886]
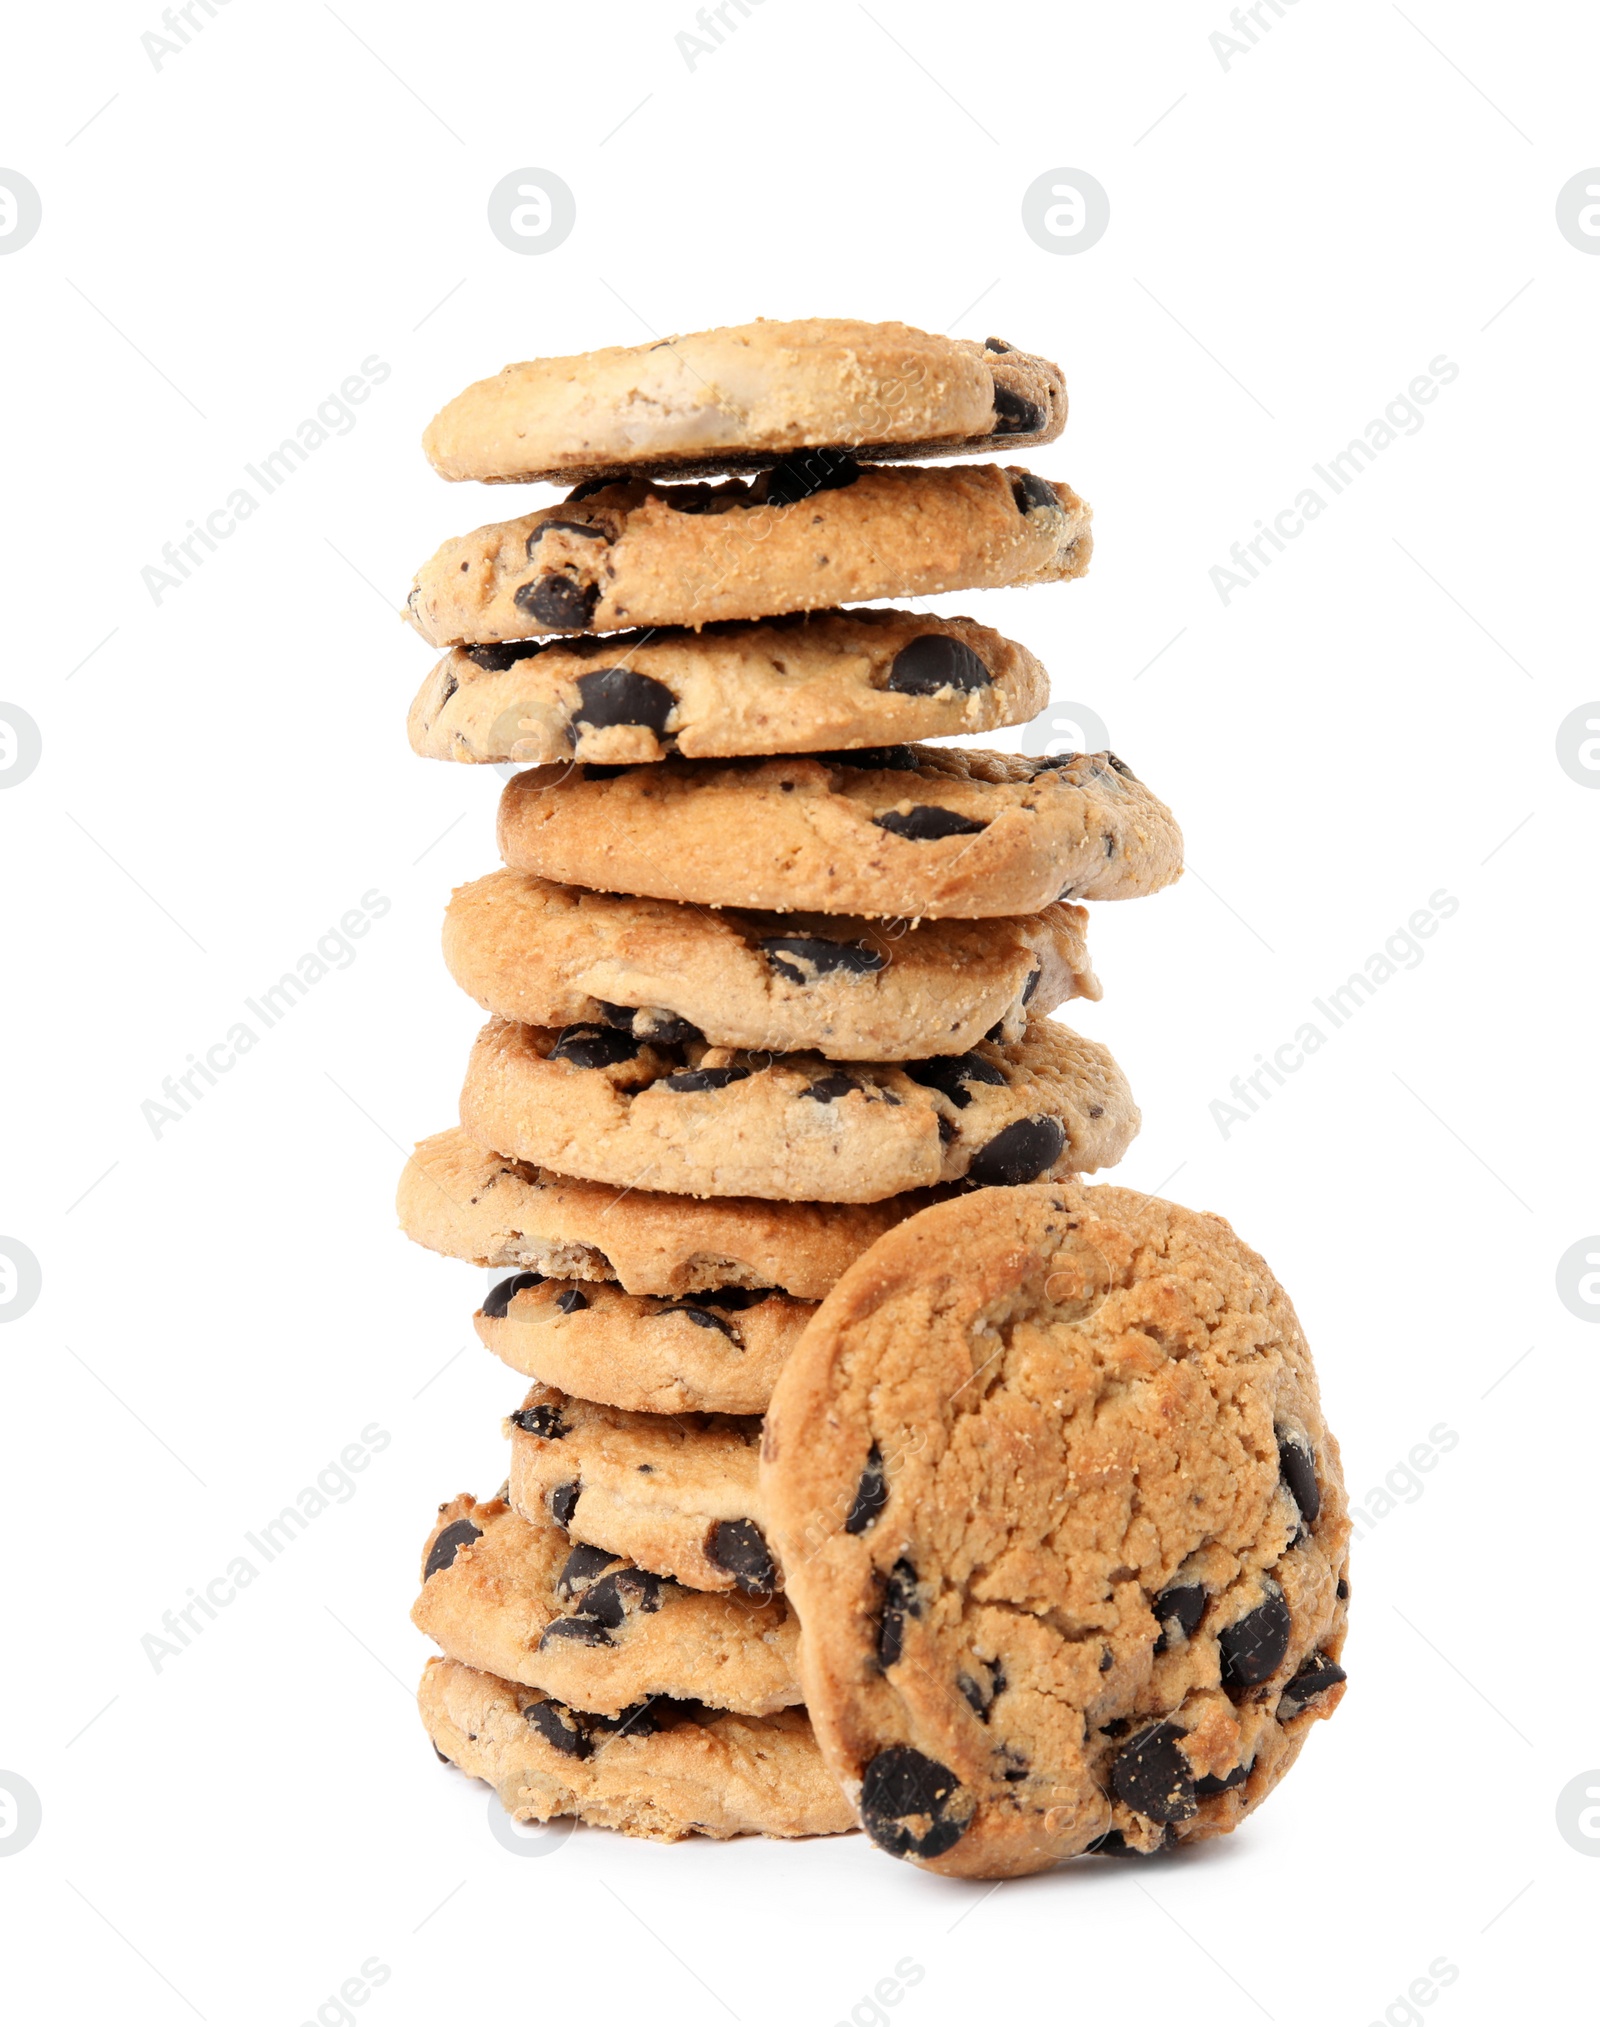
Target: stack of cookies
[767, 975]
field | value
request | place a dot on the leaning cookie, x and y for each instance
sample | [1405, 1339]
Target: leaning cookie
[718, 1351]
[849, 987]
[522, 1602]
[676, 1494]
[799, 684]
[1054, 1498]
[642, 555]
[458, 1199]
[662, 1770]
[743, 395]
[901, 831]
[709, 1122]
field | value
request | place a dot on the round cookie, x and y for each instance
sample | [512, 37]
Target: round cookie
[553, 956]
[742, 395]
[673, 1493]
[635, 554]
[457, 1199]
[709, 1122]
[664, 1770]
[718, 1351]
[801, 683]
[525, 1603]
[905, 831]
[1055, 1501]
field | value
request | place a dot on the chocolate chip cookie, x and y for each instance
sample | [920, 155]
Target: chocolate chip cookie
[711, 1122]
[662, 1770]
[1055, 1501]
[902, 831]
[674, 1493]
[638, 554]
[457, 1199]
[717, 1351]
[848, 987]
[526, 1603]
[742, 395]
[797, 684]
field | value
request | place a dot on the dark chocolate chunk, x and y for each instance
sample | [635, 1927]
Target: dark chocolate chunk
[937, 661]
[872, 1495]
[900, 1602]
[989, 345]
[571, 1300]
[1253, 1647]
[703, 1317]
[837, 1084]
[589, 486]
[639, 1720]
[804, 472]
[581, 1568]
[605, 770]
[543, 1420]
[1014, 412]
[498, 1299]
[1309, 1680]
[562, 1501]
[557, 601]
[1151, 1775]
[444, 1759]
[911, 1806]
[624, 1591]
[588, 1047]
[1030, 984]
[703, 1080]
[446, 1544]
[657, 1024]
[505, 654]
[623, 697]
[557, 1727]
[1030, 491]
[1341, 1589]
[979, 1693]
[740, 1548]
[544, 528]
[1297, 1467]
[822, 954]
[952, 1075]
[925, 822]
[1219, 1784]
[879, 759]
[736, 1298]
[586, 1631]
[1184, 1602]
[1020, 1152]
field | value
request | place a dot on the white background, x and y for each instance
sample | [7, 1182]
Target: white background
[1294, 237]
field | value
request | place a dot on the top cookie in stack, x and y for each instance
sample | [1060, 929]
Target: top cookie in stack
[763, 968]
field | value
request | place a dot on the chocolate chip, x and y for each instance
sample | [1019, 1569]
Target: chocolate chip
[582, 1567]
[937, 661]
[736, 1298]
[1119, 1727]
[740, 1548]
[1108, 1661]
[1185, 1603]
[592, 486]
[703, 1317]
[837, 1084]
[543, 1420]
[1030, 492]
[900, 1603]
[588, 1047]
[1112, 1845]
[1152, 1776]
[571, 1300]
[656, 1024]
[925, 822]
[1341, 1589]
[587, 1632]
[995, 345]
[498, 1299]
[1013, 1767]
[872, 1495]
[623, 697]
[446, 1544]
[805, 472]
[1309, 1680]
[639, 1720]
[556, 1726]
[952, 1075]
[1031, 984]
[1297, 1467]
[879, 759]
[601, 770]
[911, 1806]
[503, 655]
[562, 1502]
[563, 527]
[1020, 1152]
[557, 601]
[822, 954]
[1219, 1784]
[703, 1080]
[1253, 1647]
[444, 1759]
[1014, 411]
[624, 1591]
[981, 1695]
